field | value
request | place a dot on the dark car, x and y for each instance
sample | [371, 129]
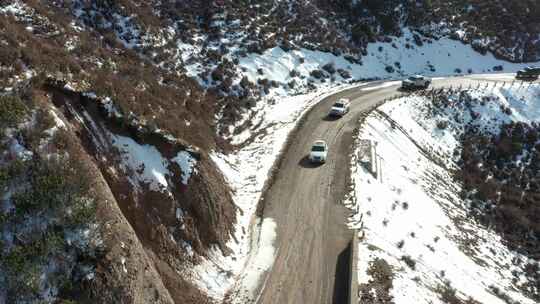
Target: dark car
[528, 73]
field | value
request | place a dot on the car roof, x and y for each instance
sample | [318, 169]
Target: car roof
[343, 100]
[319, 143]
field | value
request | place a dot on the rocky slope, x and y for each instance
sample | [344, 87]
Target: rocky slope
[159, 200]
[155, 205]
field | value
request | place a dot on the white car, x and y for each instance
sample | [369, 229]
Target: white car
[319, 152]
[340, 108]
[416, 82]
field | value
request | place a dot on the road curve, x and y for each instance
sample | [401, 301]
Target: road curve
[305, 202]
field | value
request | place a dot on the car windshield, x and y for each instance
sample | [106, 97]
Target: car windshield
[338, 105]
[412, 78]
[317, 149]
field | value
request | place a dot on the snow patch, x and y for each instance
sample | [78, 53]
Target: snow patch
[145, 161]
[187, 164]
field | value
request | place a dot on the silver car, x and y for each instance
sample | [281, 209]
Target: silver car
[340, 108]
[319, 152]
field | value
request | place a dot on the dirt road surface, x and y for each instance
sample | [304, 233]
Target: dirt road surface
[311, 264]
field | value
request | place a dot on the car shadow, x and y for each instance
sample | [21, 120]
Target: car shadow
[331, 117]
[308, 164]
[527, 79]
[341, 283]
[404, 90]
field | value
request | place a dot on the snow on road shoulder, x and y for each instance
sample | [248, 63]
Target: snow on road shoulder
[381, 86]
[413, 217]
[262, 259]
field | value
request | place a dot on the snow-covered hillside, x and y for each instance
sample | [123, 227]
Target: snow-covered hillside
[297, 72]
[421, 244]
[235, 50]
[395, 58]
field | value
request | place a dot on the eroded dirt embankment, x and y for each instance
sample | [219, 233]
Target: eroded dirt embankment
[152, 234]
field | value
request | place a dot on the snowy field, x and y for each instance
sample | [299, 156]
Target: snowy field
[411, 212]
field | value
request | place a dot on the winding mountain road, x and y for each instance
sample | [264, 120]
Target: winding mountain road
[311, 263]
